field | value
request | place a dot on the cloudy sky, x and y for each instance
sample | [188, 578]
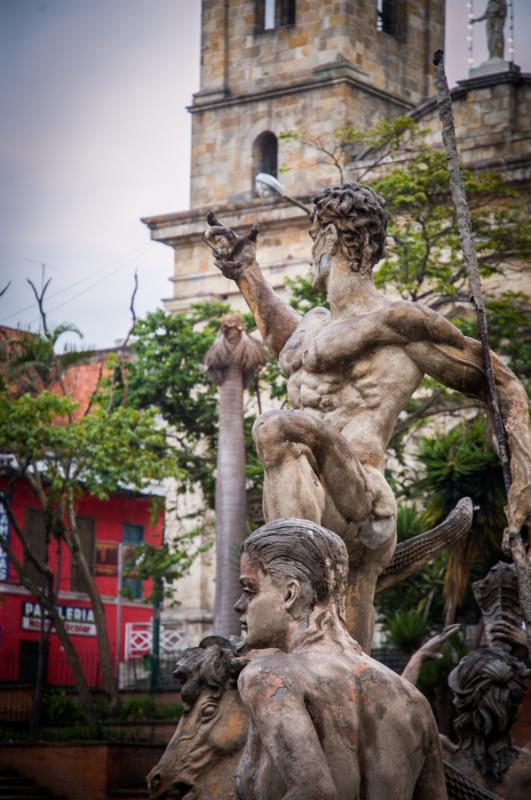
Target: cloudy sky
[95, 135]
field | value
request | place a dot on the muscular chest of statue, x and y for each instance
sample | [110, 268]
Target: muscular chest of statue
[374, 385]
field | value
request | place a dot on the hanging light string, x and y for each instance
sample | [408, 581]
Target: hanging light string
[469, 34]
[511, 31]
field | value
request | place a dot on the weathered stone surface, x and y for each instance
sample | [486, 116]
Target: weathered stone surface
[351, 371]
[489, 685]
[317, 713]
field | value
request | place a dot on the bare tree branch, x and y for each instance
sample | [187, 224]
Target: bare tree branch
[39, 297]
[122, 353]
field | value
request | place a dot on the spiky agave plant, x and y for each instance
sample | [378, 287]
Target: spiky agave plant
[459, 463]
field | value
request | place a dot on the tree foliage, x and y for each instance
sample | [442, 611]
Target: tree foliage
[168, 374]
[64, 450]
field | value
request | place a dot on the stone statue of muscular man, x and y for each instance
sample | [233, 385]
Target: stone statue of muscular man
[326, 721]
[351, 371]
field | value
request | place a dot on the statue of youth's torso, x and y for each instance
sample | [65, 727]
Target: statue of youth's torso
[362, 397]
[359, 710]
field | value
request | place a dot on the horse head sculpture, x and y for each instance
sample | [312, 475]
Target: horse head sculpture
[202, 756]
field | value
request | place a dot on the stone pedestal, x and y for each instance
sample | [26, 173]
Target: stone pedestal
[493, 66]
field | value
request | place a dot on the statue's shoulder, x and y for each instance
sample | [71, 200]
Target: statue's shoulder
[264, 675]
[317, 314]
[310, 324]
[319, 310]
[372, 672]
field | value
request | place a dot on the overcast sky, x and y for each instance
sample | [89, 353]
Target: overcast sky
[95, 135]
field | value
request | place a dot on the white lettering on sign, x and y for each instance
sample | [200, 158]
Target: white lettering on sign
[78, 620]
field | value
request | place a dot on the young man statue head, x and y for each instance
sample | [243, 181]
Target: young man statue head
[322, 712]
[294, 578]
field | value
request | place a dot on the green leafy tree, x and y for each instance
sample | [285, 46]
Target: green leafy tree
[167, 374]
[347, 147]
[461, 463]
[63, 451]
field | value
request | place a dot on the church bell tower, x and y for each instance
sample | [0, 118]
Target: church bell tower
[271, 66]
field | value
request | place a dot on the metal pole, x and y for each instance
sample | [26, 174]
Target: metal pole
[119, 611]
[155, 636]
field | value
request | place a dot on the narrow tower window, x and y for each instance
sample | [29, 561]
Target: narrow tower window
[265, 155]
[387, 16]
[269, 15]
[274, 14]
[285, 13]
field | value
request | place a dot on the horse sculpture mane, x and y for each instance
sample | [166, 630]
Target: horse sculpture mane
[214, 663]
[204, 751]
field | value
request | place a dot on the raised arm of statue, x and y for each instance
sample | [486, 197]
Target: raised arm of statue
[461, 368]
[235, 256]
[439, 349]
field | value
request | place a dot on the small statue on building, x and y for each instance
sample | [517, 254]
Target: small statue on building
[495, 16]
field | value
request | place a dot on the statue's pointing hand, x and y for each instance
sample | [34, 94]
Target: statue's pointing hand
[232, 253]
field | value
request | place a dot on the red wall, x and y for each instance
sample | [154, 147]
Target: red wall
[110, 516]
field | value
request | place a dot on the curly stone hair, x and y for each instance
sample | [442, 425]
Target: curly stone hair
[215, 663]
[488, 685]
[360, 217]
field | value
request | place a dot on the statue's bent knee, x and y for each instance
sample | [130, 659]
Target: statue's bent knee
[376, 532]
[267, 433]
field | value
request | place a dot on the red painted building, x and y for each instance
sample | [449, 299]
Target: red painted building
[123, 519]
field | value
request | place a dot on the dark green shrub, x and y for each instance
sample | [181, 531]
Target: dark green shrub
[138, 709]
[169, 711]
[407, 629]
[61, 708]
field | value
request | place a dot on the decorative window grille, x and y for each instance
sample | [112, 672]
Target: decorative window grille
[139, 639]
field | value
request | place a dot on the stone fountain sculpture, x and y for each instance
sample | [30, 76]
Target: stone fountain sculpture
[325, 721]
[313, 716]
[307, 694]
[351, 372]
[489, 685]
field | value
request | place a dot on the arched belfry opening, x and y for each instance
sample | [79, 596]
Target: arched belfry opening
[265, 155]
